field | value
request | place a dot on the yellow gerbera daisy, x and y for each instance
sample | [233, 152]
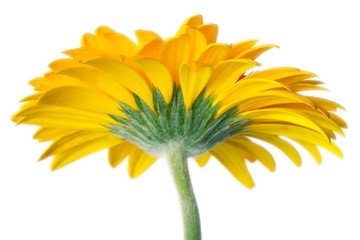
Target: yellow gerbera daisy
[184, 96]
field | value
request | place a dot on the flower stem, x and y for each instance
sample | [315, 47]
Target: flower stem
[179, 167]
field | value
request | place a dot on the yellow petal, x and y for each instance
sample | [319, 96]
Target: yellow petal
[70, 141]
[150, 43]
[102, 82]
[297, 133]
[254, 52]
[198, 43]
[327, 104]
[76, 113]
[118, 44]
[52, 80]
[270, 72]
[60, 121]
[285, 75]
[125, 76]
[99, 33]
[119, 152]
[306, 87]
[210, 31]
[283, 145]
[339, 121]
[145, 37]
[27, 105]
[151, 50]
[62, 117]
[80, 98]
[312, 149]
[139, 161]
[240, 47]
[226, 74]
[329, 133]
[193, 21]
[32, 97]
[157, 74]
[102, 30]
[311, 81]
[285, 93]
[256, 150]
[324, 121]
[270, 98]
[282, 115]
[243, 90]
[334, 149]
[61, 64]
[84, 54]
[64, 158]
[214, 54]
[193, 82]
[175, 51]
[203, 159]
[234, 163]
[293, 77]
[88, 40]
[51, 134]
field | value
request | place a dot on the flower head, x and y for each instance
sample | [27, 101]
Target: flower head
[137, 99]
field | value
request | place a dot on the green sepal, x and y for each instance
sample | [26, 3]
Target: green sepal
[177, 114]
[162, 110]
[198, 129]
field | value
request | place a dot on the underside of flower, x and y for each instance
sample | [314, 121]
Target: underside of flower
[208, 97]
[196, 129]
[184, 96]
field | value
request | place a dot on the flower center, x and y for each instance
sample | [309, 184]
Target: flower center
[196, 129]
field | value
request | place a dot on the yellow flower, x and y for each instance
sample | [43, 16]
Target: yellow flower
[76, 104]
[185, 96]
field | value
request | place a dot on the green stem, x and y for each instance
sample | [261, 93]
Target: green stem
[179, 167]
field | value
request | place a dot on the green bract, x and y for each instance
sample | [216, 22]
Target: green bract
[196, 129]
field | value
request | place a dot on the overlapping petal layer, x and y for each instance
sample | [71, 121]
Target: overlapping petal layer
[82, 97]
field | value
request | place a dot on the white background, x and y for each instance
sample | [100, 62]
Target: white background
[89, 200]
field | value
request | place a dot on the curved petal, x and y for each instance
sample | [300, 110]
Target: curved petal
[210, 31]
[150, 44]
[243, 90]
[255, 150]
[234, 163]
[80, 98]
[61, 64]
[118, 44]
[139, 161]
[283, 145]
[70, 141]
[198, 43]
[79, 151]
[203, 159]
[297, 133]
[214, 54]
[226, 74]
[63, 117]
[193, 82]
[282, 115]
[240, 47]
[51, 134]
[312, 149]
[157, 74]
[254, 52]
[175, 51]
[119, 152]
[125, 76]
[102, 82]
[192, 21]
